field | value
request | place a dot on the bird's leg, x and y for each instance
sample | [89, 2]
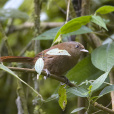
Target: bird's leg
[66, 80]
[47, 72]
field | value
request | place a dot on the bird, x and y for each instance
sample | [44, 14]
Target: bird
[54, 64]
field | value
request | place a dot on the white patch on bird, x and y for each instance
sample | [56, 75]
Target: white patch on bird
[57, 51]
[39, 65]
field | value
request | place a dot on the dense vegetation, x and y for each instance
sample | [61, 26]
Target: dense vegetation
[28, 27]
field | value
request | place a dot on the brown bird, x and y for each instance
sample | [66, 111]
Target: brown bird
[55, 64]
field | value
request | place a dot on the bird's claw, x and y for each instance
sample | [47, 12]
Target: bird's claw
[66, 80]
[47, 72]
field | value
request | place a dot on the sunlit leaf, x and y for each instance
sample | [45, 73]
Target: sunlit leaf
[62, 97]
[103, 57]
[82, 30]
[105, 9]
[50, 34]
[57, 51]
[99, 21]
[73, 25]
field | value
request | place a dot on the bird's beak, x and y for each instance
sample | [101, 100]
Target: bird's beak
[84, 50]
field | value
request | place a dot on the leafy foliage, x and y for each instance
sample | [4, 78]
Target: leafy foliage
[69, 27]
[99, 21]
[77, 109]
[50, 34]
[96, 66]
[103, 57]
[105, 9]
[13, 74]
[83, 71]
[81, 92]
[106, 90]
[12, 13]
[99, 81]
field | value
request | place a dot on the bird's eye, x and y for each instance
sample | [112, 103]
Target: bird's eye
[77, 46]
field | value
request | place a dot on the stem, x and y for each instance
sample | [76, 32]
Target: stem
[37, 6]
[5, 40]
[111, 76]
[68, 7]
[99, 106]
[92, 39]
[23, 100]
[59, 78]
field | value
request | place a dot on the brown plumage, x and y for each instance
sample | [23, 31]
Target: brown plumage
[55, 64]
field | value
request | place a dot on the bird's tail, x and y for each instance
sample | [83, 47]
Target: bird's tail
[16, 59]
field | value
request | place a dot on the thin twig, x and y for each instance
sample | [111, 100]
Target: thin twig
[101, 110]
[5, 40]
[61, 79]
[105, 109]
[68, 7]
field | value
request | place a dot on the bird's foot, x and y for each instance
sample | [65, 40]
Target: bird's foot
[47, 72]
[66, 80]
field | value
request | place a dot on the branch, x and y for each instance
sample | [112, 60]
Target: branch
[28, 25]
[23, 100]
[37, 9]
[105, 109]
[61, 79]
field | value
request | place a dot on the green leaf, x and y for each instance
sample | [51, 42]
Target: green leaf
[73, 25]
[82, 30]
[39, 65]
[99, 21]
[48, 35]
[99, 81]
[81, 92]
[12, 73]
[103, 57]
[12, 13]
[53, 97]
[106, 90]
[77, 109]
[62, 97]
[83, 70]
[105, 9]
[57, 51]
